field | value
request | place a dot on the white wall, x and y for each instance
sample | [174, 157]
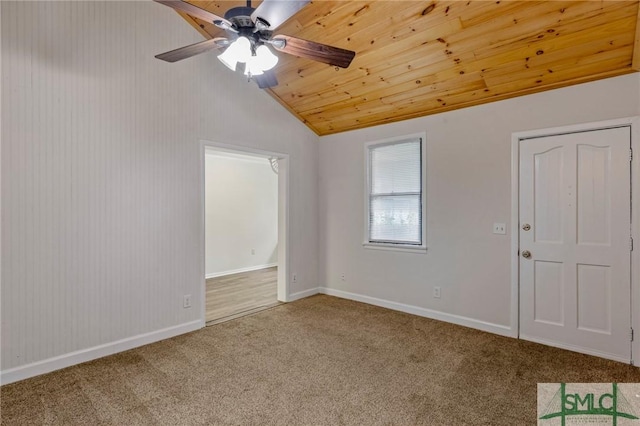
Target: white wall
[101, 202]
[468, 189]
[241, 214]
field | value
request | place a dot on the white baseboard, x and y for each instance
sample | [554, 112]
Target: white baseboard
[303, 294]
[423, 312]
[239, 271]
[84, 355]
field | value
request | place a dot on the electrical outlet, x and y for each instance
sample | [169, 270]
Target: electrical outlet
[294, 278]
[499, 228]
[186, 301]
[253, 251]
[436, 292]
[342, 277]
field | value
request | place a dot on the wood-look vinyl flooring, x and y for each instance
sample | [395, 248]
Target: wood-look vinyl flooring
[232, 296]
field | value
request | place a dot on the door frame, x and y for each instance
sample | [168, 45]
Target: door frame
[516, 138]
[283, 287]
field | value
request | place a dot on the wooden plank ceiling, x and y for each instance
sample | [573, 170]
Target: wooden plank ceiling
[415, 58]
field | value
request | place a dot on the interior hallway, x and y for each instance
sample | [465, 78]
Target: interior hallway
[233, 296]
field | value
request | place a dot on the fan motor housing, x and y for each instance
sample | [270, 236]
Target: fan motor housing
[240, 16]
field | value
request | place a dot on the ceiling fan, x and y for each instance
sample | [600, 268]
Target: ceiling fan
[250, 32]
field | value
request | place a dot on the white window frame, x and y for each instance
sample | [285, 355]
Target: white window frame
[412, 248]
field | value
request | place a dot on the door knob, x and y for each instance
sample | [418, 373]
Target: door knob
[526, 254]
[526, 227]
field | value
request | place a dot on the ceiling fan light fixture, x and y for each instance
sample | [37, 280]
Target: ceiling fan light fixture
[242, 49]
[238, 51]
[227, 60]
[265, 58]
[253, 67]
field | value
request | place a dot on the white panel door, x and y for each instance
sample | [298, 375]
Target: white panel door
[575, 215]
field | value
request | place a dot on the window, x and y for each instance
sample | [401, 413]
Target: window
[395, 202]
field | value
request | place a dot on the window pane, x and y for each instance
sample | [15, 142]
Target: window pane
[396, 218]
[396, 168]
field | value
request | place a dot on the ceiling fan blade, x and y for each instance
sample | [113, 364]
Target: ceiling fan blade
[193, 49]
[311, 50]
[275, 12]
[266, 80]
[194, 11]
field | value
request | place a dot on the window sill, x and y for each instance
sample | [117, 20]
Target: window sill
[395, 247]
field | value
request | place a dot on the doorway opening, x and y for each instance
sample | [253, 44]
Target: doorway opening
[245, 247]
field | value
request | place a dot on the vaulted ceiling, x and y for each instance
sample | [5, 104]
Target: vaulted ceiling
[415, 58]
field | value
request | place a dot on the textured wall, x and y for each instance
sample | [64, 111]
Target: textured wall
[468, 189]
[101, 201]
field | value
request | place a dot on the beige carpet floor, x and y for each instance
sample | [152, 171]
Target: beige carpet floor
[317, 361]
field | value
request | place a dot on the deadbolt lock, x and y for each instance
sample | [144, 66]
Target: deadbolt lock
[526, 254]
[526, 227]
